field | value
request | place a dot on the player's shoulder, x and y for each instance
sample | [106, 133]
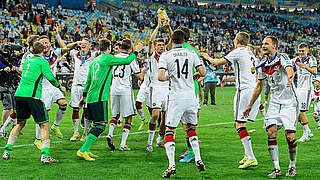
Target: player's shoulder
[283, 55]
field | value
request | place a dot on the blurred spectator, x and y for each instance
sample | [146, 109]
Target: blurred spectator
[210, 83]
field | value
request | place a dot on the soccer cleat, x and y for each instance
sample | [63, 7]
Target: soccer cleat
[92, 155]
[57, 131]
[160, 142]
[38, 144]
[110, 143]
[75, 137]
[170, 171]
[83, 138]
[142, 124]
[4, 135]
[187, 159]
[47, 160]
[200, 166]
[249, 163]
[6, 155]
[84, 155]
[274, 174]
[291, 172]
[310, 134]
[245, 158]
[149, 148]
[124, 148]
[184, 154]
[304, 138]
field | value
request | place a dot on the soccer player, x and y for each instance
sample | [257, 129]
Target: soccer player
[81, 60]
[96, 93]
[306, 67]
[121, 94]
[179, 63]
[282, 111]
[27, 99]
[316, 100]
[243, 61]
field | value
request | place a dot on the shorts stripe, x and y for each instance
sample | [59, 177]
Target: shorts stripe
[132, 103]
[308, 98]
[237, 103]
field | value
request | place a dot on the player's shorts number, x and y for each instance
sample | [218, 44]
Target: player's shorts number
[184, 70]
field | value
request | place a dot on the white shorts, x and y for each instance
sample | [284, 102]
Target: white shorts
[159, 97]
[123, 104]
[50, 95]
[241, 101]
[185, 110]
[144, 95]
[316, 107]
[282, 115]
[304, 98]
[76, 94]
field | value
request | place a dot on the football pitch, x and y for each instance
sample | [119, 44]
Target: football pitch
[221, 150]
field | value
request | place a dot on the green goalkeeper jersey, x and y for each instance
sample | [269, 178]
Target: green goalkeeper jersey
[191, 48]
[100, 74]
[33, 70]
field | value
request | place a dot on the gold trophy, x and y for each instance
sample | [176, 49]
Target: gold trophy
[163, 17]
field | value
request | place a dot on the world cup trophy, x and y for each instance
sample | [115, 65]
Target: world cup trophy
[163, 17]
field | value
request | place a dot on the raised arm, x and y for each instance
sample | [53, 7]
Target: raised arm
[112, 60]
[152, 38]
[217, 62]
[57, 35]
[70, 46]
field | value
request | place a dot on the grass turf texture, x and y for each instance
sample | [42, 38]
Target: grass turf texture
[221, 150]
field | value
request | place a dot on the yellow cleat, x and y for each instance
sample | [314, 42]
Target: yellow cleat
[248, 163]
[83, 138]
[38, 144]
[75, 137]
[142, 124]
[245, 158]
[57, 131]
[85, 156]
[92, 155]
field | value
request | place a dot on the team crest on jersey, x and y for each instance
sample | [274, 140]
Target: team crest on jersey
[271, 69]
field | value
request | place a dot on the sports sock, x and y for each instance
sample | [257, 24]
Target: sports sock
[86, 126]
[292, 145]
[194, 142]
[305, 128]
[317, 120]
[274, 152]
[140, 110]
[46, 148]
[125, 133]
[12, 139]
[92, 137]
[246, 142]
[112, 125]
[60, 113]
[170, 147]
[190, 151]
[6, 124]
[38, 132]
[75, 120]
[152, 129]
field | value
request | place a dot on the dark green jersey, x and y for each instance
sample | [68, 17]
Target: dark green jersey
[33, 70]
[100, 75]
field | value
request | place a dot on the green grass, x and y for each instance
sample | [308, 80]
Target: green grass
[221, 150]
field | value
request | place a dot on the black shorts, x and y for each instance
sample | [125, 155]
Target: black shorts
[98, 112]
[26, 106]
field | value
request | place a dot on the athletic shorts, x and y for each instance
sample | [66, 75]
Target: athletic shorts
[143, 95]
[50, 95]
[76, 94]
[26, 106]
[98, 112]
[159, 97]
[304, 98]
[316, 108]
[241, 101]
[282, 115]
[185, 110]
[6, 96]
[123, 104]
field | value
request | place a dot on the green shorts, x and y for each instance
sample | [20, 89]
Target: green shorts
[98, 112]
[26, 106]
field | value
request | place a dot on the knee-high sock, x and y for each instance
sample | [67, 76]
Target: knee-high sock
[87, 124]
[125, 133]
[6, 124]
[60, 113]
[10, 143]
[306, 128]
[246, 142]
[274, 152]
[75, 120]
[152, 129]
[112, 125]
[193, 139]
[92, 137]
[140, 110]
[292, 146]
[46, 148]
[170, 147]
[38, 132]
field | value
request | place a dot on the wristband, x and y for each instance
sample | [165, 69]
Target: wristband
[135, 53]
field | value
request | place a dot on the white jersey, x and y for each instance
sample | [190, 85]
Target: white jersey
[52, 60]
[304, 76]
[179, 63]
[275, 73]
[122, 76]
[243, 62]
[316, 95]
[81, 65]
[153, 67]
[26, 55]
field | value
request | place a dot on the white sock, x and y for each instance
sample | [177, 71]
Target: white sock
[151, 137]
[38, 132]
[274, 153]
[12, 139]
[60, 114]
[111, 128]
[246, 142]
[141, 113]
[305, 129]
[125, 134]
[6, 124]
[170, 150]
[195, 147]
[46, 143]
[75, 123]
[293, 157]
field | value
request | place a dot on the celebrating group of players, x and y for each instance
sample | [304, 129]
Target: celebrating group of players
[169, 87]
